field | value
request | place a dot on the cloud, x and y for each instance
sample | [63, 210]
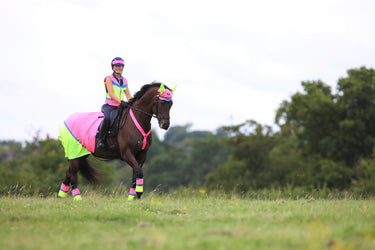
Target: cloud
[232, 61]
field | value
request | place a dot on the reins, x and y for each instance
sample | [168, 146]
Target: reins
[144, 112]
[157, 101]
[164, 95]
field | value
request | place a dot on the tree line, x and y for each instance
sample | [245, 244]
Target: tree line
[323, 140]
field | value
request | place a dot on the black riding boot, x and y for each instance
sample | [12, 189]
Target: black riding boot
[102, 134]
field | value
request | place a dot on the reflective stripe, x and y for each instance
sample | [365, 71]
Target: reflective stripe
[131, 194]
[132, 191]
[139, 189]
[77, 197]
[139, 181]
[139, 185]
[75, 192]
[64, 187]
[118, 90]
[61, 194]
[72, 147]
[118, 62]
[112, 102]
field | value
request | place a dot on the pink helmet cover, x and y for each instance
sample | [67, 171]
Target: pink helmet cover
[118, 62]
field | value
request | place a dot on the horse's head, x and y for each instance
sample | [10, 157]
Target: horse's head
[163, 105]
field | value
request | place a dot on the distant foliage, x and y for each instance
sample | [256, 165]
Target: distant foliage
[325, 140]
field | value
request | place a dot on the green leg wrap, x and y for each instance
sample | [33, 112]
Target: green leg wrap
[76, 194]
[139, 185]
[77, 198]
[132, 194]
[61, 194]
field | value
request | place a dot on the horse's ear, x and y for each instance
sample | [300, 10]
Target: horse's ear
[174, 88]
[162, 88]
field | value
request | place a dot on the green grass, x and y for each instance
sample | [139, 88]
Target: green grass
[185, 220]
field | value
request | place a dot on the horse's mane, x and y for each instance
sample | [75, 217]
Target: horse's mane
[143, 90]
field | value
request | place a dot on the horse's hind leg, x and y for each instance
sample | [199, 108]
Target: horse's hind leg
[65, 185]
[73, 168]
[132, 191]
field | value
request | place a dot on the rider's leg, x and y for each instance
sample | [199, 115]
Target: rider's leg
[103, 133]
[106, 109]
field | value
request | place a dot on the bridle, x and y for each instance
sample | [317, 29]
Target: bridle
[157, 116]
[139, 127]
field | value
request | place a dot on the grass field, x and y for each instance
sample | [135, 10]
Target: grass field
[174, 221]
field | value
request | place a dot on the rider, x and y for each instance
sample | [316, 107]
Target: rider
[115, 86]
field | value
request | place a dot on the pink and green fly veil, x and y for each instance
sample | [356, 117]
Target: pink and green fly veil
[166, 94]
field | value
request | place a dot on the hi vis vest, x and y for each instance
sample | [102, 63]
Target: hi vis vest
[118, 90]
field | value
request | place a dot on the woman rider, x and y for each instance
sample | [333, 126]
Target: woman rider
[115, 86]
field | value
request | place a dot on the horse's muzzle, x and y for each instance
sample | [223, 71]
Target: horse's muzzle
[164, 124]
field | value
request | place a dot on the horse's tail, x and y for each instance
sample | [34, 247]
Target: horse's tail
[90, 173]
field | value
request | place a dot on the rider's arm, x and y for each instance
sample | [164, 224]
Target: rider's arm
[108, 84]
[127, 93]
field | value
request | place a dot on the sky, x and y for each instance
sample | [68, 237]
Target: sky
[232, 61]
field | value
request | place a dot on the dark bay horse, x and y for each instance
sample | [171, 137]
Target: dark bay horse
[132, 141]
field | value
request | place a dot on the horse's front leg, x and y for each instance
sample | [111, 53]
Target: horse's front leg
[136, 187]
[74, 167]
[138, 181]
[141, 158]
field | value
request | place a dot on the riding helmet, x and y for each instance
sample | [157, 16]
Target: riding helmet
[117, 61]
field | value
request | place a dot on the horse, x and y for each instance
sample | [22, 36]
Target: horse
[131, 143]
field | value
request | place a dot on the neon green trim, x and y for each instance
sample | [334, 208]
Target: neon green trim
[117, 91]
[130, 197]
[61, 194]
[139, 189]
[77, 198]
[73, 149]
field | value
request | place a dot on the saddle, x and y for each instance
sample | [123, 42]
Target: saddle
[114, 120]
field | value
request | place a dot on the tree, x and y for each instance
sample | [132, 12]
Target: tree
[178, 134]
[355, 103]
[314, 116]
[333, 131]
[248, 163]
[204, 156]
[164, 171]
[287, 164]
